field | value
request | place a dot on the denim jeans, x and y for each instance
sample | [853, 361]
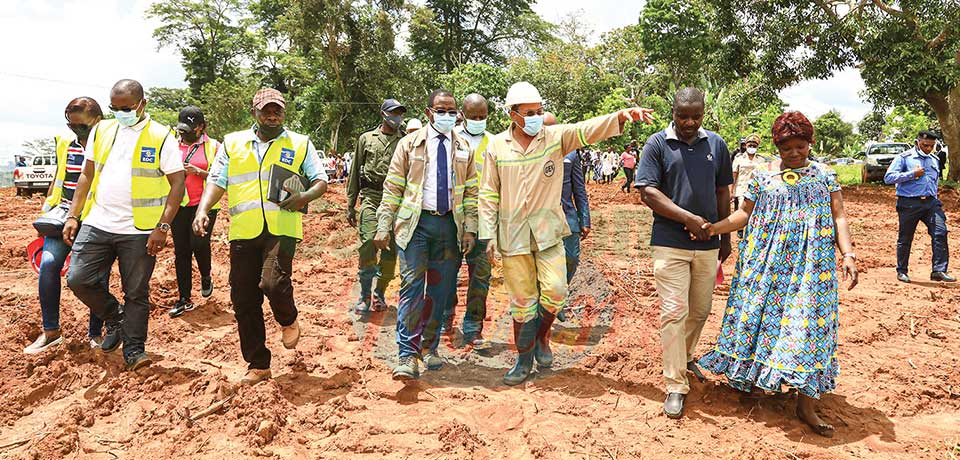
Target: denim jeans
[478, 267]
[94, 251]
[51, 263]
[430, 263]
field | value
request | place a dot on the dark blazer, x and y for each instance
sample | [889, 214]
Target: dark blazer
[574, 196]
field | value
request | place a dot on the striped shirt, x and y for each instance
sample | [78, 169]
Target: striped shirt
[73, 168]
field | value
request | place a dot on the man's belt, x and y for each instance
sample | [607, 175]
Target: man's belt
[435, 213]
[924, 197]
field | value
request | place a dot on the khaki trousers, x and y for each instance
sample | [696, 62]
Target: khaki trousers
[535, 279]
[685, 281]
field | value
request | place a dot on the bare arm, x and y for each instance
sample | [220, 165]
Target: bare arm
[849, 265]
[72, 224]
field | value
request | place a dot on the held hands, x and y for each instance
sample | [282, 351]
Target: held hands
[849, 269]
[699, 228]
[295, 202]
[918, 172]
[382, 241]
[636, 114]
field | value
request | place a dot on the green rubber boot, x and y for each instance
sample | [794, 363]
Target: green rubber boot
[525, 336]
[541, 351]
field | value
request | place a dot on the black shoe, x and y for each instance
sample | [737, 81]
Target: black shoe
[206, 286]
[180, 308]
[942, 276]
[112, 338]
[903, 278]
[562, 315]
[673, 406]
[137, 361]
[692, 367]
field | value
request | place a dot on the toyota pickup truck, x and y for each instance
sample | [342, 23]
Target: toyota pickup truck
[36, 176]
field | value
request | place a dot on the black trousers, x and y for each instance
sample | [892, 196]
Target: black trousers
[186, 244]
[912, 211]
[261, 267]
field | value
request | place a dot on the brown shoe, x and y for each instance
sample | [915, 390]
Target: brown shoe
[290, 335]
[255, 376]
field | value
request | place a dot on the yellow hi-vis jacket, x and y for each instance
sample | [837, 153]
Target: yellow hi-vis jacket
[63, 144]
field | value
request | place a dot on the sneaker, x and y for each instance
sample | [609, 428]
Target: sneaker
[206, 286]
[138, 360]
[255, 376]
[112, 338]
[42, 344]
[362, 307]
[477, 342]
[180, 308]
[433, 361]
[407, 369]
[290, 335]
[95, 342]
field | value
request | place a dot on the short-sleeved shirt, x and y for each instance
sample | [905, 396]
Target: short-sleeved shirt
[628, 160]
[688, 175]
[744, 167]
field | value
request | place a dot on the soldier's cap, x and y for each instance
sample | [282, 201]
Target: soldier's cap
[190, 117]
[927, 134]
[266, 96]
[390, 105]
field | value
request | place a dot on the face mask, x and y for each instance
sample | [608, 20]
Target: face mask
[189, 137]
[444, 123]
[127, 118]
[532, 125]
[393, 121]
[269, 132]
[476, 127]
[751, 150]
[82, 131]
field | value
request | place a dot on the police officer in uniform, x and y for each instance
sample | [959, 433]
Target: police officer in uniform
[367, 173]
[916, 172]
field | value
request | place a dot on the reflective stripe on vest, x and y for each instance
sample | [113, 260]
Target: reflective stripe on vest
[481, 149]
[63, 144]
[248, 186]
[209, 152]
[149, 187]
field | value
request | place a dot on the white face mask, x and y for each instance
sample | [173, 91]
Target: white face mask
[751, 150]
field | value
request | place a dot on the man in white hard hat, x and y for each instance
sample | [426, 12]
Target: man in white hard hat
[413, 125]
[521, 216]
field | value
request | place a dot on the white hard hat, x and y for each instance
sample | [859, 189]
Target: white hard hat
[523, 93]
[414, 123]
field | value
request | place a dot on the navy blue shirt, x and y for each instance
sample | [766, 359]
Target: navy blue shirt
[689, 176]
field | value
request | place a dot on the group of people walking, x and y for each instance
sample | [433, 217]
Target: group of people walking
[434, 196]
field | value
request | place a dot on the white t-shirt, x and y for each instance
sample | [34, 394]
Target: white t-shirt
[113, 210]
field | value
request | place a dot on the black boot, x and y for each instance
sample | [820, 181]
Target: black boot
[525, 336]
[542, 352]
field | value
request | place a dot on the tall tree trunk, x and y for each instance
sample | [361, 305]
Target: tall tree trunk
[947, 108]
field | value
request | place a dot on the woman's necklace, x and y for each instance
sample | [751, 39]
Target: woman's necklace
[790, 176]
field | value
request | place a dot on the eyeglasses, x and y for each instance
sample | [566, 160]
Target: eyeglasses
[444, 112]
[126, 109]
[530, 113]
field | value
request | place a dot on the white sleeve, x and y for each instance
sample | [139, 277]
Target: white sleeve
[171, 160]
[88, 150]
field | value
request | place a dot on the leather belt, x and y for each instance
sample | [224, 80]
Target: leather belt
[925, 197]
[435, 213]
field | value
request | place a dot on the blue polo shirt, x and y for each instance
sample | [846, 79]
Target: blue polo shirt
[901, 169]
[689, 175]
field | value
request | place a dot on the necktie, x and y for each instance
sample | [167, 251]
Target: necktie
[443, 196]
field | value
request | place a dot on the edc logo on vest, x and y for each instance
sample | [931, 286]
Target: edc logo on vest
[286, 156]
[148, 155]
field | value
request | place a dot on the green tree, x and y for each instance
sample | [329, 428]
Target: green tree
[871, 126]
[832, 134]
[447, 33]
[903, 124]
[226, 104]
[908, 51]
[210, 35]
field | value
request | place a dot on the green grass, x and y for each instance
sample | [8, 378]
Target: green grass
[848, 174]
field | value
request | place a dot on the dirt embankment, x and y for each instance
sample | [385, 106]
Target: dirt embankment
[898, 394]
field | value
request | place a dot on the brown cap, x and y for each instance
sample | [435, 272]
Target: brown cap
[266, 96]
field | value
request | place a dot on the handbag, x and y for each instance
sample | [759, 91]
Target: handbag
[51, 222]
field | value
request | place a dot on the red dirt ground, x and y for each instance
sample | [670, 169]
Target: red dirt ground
[898, 394]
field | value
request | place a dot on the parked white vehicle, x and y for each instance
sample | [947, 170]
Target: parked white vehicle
[35, 177]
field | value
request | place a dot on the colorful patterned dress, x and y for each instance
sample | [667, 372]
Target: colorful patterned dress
[780, 325]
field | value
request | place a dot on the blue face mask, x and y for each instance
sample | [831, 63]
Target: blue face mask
[444, 123]
[476, 127]
[532, 125]
[126, 118]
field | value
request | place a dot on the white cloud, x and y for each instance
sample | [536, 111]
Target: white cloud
[601, 15]
[840, 92]
[55, 50]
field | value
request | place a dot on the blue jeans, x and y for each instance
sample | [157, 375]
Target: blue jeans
[94, 251]
[51, 263]
[478, 266]
[571, 246]
[912, 211]
[428, 283]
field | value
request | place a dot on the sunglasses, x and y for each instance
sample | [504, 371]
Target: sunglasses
[126, 109]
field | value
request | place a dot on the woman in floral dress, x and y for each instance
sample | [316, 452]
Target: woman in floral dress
[780, 325]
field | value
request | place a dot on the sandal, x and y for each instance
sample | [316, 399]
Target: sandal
[823, 429]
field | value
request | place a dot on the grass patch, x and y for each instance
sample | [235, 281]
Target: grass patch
[848, 174]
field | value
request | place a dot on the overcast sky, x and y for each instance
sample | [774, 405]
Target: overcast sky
[49, 58]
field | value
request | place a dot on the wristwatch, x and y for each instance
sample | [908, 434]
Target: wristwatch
[163, 227]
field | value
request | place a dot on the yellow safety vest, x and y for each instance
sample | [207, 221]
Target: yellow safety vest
[209, 152]
[149, 186]
[248, 186]
[478, 153]
[63, 144]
